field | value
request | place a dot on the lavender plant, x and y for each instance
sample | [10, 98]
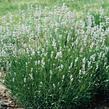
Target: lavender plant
[55, 60]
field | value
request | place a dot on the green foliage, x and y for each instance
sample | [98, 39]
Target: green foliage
[51, 84]
[53, 59]
[63, 72]
[79, 5]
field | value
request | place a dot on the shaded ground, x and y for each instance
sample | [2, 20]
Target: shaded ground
[6, 101]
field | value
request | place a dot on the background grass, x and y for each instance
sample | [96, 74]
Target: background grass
[75, 5]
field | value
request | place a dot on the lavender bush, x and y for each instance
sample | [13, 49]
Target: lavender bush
[55, 59]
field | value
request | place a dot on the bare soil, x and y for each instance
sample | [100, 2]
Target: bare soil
[6, 101]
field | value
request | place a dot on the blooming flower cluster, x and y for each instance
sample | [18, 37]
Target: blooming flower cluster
[55, 58]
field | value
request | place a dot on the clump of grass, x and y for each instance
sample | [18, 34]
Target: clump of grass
[61, 62]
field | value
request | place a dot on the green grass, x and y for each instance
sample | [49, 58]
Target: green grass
[76, 5]
[13, 6]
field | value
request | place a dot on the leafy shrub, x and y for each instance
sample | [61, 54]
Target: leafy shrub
[67, 60]
[43, 81]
